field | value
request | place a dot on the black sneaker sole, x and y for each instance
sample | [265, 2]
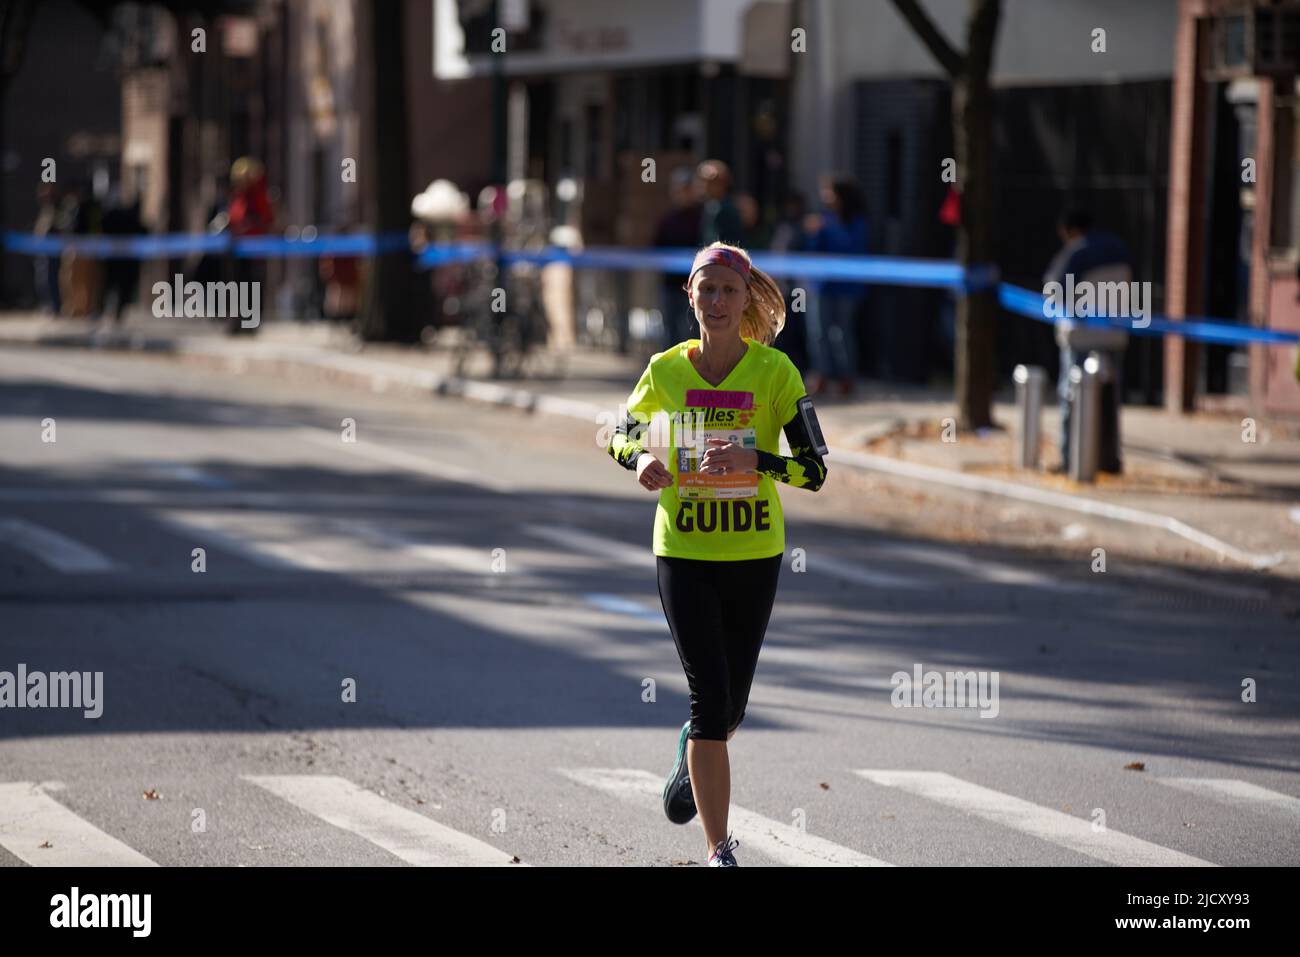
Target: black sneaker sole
[679, 799]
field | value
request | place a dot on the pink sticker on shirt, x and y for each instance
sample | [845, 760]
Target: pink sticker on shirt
[719, 399]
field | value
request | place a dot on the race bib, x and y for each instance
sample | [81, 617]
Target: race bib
[714, 414]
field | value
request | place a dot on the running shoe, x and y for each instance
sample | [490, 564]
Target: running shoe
[721, 856]
[679, 799]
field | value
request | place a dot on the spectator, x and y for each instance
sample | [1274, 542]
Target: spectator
[950, 215]
[756, 232]
[787, 237]
[341, 276]
[250, 206]
[80, 276]
[832, 334]
[678, 229]
[719, 218]
[121, 274]
[250, 214]
[47, 267]
[1090, 255]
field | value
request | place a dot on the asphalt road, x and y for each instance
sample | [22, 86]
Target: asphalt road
[483, 579]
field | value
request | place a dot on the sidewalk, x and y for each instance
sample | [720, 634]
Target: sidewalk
[1189, 477]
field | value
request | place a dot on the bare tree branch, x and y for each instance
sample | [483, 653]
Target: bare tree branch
[981, 35]
[949, 58]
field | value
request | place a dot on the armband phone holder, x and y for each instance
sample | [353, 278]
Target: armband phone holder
[808, 416]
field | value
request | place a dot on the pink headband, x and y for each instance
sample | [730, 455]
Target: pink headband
[723, 257]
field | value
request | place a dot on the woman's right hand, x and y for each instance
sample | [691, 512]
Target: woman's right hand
[650, 472]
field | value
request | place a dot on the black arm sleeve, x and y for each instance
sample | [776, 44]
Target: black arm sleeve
[804, 466]
[626, 446]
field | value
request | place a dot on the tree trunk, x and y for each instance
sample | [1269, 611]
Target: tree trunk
[977, 310]
[389, 312]
[15, 22]
[977, 313]
[972, 130]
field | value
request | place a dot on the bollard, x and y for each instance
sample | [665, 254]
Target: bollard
[1108, 412]
[1029, 405]
[1085, 416]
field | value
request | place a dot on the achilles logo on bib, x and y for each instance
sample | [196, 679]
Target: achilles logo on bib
[713, 414]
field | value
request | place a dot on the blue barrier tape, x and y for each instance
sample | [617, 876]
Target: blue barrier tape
[117, 247]
[804, 266]
[346, 244]
[1026, 302]
[185, 244]
[880, 270]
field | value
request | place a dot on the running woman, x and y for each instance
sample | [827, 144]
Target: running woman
[719, 533]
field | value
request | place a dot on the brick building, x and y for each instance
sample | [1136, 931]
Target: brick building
[1234, 195]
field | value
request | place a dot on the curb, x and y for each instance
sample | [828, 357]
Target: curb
[379, 375]
[1060, 500]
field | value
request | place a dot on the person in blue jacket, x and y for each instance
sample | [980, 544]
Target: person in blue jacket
[831, 329]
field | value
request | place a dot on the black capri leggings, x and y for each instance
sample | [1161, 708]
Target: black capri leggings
[718, 612]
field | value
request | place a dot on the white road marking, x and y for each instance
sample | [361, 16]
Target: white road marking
[30, 818]
[460, 557]
[626, 554]
[223, 529]
[779, 841]
[55, 550]
[1050, 825]
[404, 833]
[622, 606]
[179, 472]
[424, 464]
[861, 576]
[1241, 793]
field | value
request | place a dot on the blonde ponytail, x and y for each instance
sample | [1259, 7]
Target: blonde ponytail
[764, 317]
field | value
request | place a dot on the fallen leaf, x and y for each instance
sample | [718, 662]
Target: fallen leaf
[152, 794]
[45, 844]
[1135, 766]
[824, 786]
[515, 859]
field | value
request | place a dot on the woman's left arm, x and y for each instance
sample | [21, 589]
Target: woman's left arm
[804, 467]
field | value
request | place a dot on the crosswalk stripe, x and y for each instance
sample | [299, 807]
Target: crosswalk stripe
[55, 550]
[225, 530]
[291, 541]
[458, 557]
[1049, 825]
[412, 462]
[775, 839]
[861, 576]
[405, 834]
[1236, 792]
[30, 818]
[572, 538]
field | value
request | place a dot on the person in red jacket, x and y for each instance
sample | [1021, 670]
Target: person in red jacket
[250, 214]
[250, 205]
